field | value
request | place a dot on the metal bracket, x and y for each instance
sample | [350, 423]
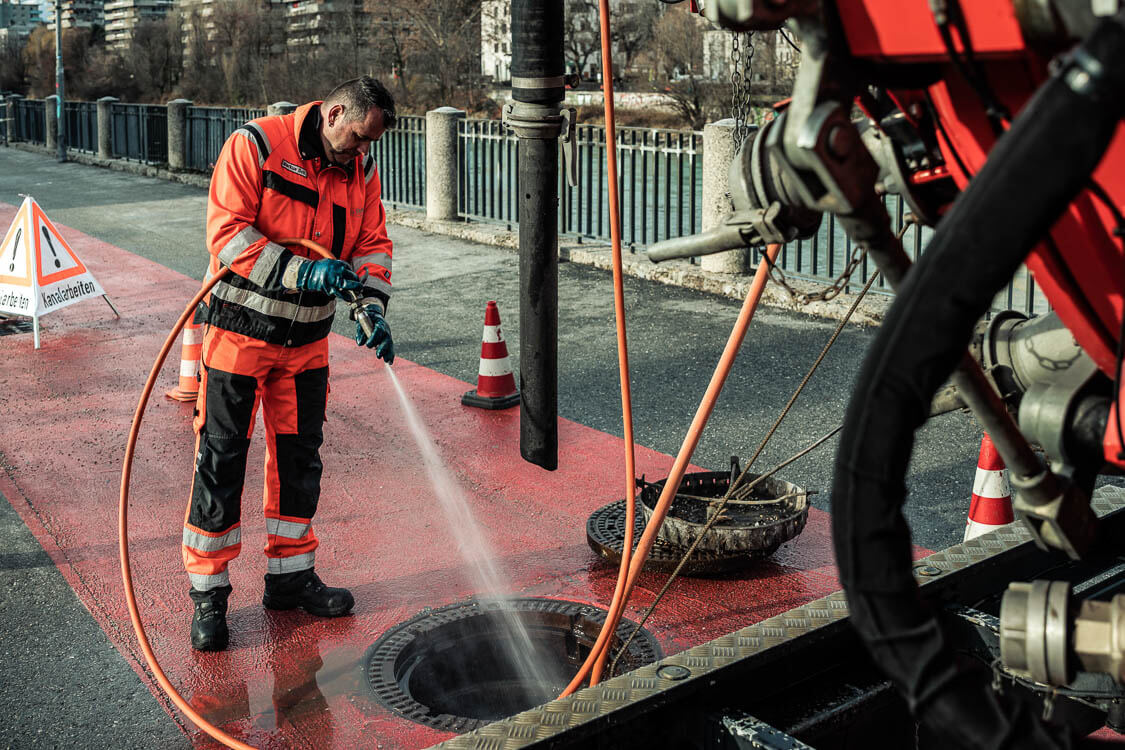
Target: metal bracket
[526, 120]
[568, 142]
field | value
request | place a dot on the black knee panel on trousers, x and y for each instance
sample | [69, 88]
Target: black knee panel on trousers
[298, 456]
[220, 464]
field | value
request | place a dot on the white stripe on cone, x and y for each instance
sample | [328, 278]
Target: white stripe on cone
[189, 368]
[992, 483]
[973, 529]
[492, 335]
[193, 334]
[492, 368]
[990, 489]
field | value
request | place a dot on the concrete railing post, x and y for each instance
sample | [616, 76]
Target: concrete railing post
[10, 113]
[51, 119]
[441, 162]
[280, 108]
[105, 127]
[177, 133]
[718, 153]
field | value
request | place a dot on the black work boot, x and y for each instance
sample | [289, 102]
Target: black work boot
[209, 625]
[304, 589]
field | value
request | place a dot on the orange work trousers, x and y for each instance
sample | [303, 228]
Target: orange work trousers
[291, 384]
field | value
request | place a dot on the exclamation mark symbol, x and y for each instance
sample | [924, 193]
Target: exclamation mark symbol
[47, 236]
[15, 249]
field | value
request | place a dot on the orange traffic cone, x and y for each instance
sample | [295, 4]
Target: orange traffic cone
[496, 386]
[991, 506]
[191, 351]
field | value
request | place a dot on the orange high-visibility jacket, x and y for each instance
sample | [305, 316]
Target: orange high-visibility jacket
[270, 183]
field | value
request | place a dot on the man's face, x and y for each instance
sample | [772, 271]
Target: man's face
[346, 138]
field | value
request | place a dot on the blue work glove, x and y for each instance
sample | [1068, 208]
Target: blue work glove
[380, 336]
[333, 277]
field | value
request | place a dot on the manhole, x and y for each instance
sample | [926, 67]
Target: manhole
[9, 326]
[605, 533]
[775, 512]
[452, 668]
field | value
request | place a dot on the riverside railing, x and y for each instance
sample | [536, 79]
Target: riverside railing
[31, 120]
[660, 184]
[207, 129]
[139, 132]
[660, 180]
[81, 126]
[400, 156]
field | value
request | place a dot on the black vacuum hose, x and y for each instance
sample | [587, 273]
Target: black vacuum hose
[1032, 174]
[537, 51]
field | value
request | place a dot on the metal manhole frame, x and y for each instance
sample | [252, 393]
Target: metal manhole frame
[379, 660]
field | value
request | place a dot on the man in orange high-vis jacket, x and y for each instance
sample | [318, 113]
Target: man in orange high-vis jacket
[308, 175]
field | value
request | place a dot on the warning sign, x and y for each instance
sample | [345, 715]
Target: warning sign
[39, 272]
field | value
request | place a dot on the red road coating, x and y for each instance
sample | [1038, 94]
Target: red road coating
[290, 679]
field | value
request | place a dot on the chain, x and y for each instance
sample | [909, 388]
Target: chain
[741, 60]
[836, 287]
[829, 292]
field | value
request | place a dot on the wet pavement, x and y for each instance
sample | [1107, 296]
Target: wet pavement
[290, 679]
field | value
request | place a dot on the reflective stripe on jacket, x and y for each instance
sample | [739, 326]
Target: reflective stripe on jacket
[268, 186]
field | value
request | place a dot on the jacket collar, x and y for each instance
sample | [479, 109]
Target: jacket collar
[307, 122]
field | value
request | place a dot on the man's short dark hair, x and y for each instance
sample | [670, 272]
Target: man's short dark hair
[359, 95]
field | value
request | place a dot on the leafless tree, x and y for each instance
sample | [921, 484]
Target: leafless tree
[582, 35]
[154, 58]
[435, 49]
[677, 51]
[632, 28]
[13, 72]
[39, 59]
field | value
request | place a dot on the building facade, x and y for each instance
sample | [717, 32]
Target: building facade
[17, 19]
[582, 30]
[79, 13]
[496, 40]
[123, 16]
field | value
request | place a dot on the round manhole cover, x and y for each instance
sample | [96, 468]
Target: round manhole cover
[462, 666]
[605, 533]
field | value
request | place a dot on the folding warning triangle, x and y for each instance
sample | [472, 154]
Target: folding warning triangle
[39, 272]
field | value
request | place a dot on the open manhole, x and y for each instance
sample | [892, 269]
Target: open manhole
[456, 668]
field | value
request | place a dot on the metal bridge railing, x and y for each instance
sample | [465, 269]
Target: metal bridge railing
[31, 121]
[139, 132]
[400, 156]
[81, 126]
[660, 181]
[207, 131]
[660, 177]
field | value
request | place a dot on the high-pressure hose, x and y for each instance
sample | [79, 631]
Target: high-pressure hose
[631, 566]
[123, 508]
[1035, 170]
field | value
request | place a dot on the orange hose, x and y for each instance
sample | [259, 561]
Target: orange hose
[691, 440]
[123, 512]
[619, 313]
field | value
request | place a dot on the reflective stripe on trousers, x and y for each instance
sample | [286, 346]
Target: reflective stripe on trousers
[291, 384]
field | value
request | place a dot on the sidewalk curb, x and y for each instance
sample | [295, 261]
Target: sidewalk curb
[678, 273]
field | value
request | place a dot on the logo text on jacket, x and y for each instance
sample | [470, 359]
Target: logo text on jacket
[294, 168]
